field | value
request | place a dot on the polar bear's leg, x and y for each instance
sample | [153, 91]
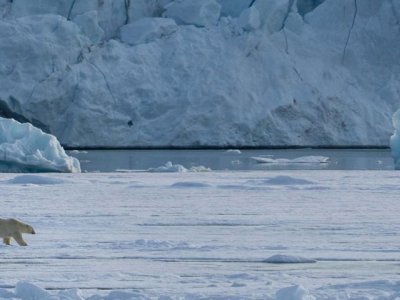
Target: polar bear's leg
[7, 240]
[18, 238]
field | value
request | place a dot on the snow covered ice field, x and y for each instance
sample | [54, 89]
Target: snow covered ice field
[203, 235]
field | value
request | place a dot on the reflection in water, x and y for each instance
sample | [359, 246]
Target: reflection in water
[111, 160]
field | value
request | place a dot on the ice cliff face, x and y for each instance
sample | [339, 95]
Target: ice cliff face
[395, 140]
[202, 72]
[25, 148]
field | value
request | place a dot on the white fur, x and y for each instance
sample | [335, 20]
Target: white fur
[12, 228]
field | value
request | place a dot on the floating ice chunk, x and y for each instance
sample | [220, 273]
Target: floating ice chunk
[298, 160]
[296, 292]
[234, 151]
[288, 259]
[395, 140]
[250, 19]
[79, 152]
[146, 30]
[199, 169]
[24, 147]
[169, 168]
[202, 13]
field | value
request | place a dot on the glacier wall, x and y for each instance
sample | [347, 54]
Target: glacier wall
[395, 140]
[119, 73]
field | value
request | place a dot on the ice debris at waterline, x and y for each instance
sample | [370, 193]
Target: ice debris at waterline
[169, 167]
[298, 160]
[395, 140]
[25, 148]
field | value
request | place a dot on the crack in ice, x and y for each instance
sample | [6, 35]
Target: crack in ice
[350, 30]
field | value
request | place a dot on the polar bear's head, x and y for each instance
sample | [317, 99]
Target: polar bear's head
[27, 229]
[22, 227]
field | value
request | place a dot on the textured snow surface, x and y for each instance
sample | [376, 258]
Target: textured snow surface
[26, 148]
[226, 75]
[395, 140]
[203, 235]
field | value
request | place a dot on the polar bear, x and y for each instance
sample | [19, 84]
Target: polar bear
[12, 228]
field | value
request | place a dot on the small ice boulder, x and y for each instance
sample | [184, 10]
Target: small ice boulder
[200, 169]
[70, 294]
[146, 30]
[249, 19]
[288, 259]
[28, 291]
[169, 167]
[296, 292]
[395, 140]
[202, 13]
[25, 148]
[233, 151]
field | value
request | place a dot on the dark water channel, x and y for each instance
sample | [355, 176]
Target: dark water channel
[140, 160]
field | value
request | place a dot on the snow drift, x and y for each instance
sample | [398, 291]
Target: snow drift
[26, 148]
[288, 259]
[235, 72]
